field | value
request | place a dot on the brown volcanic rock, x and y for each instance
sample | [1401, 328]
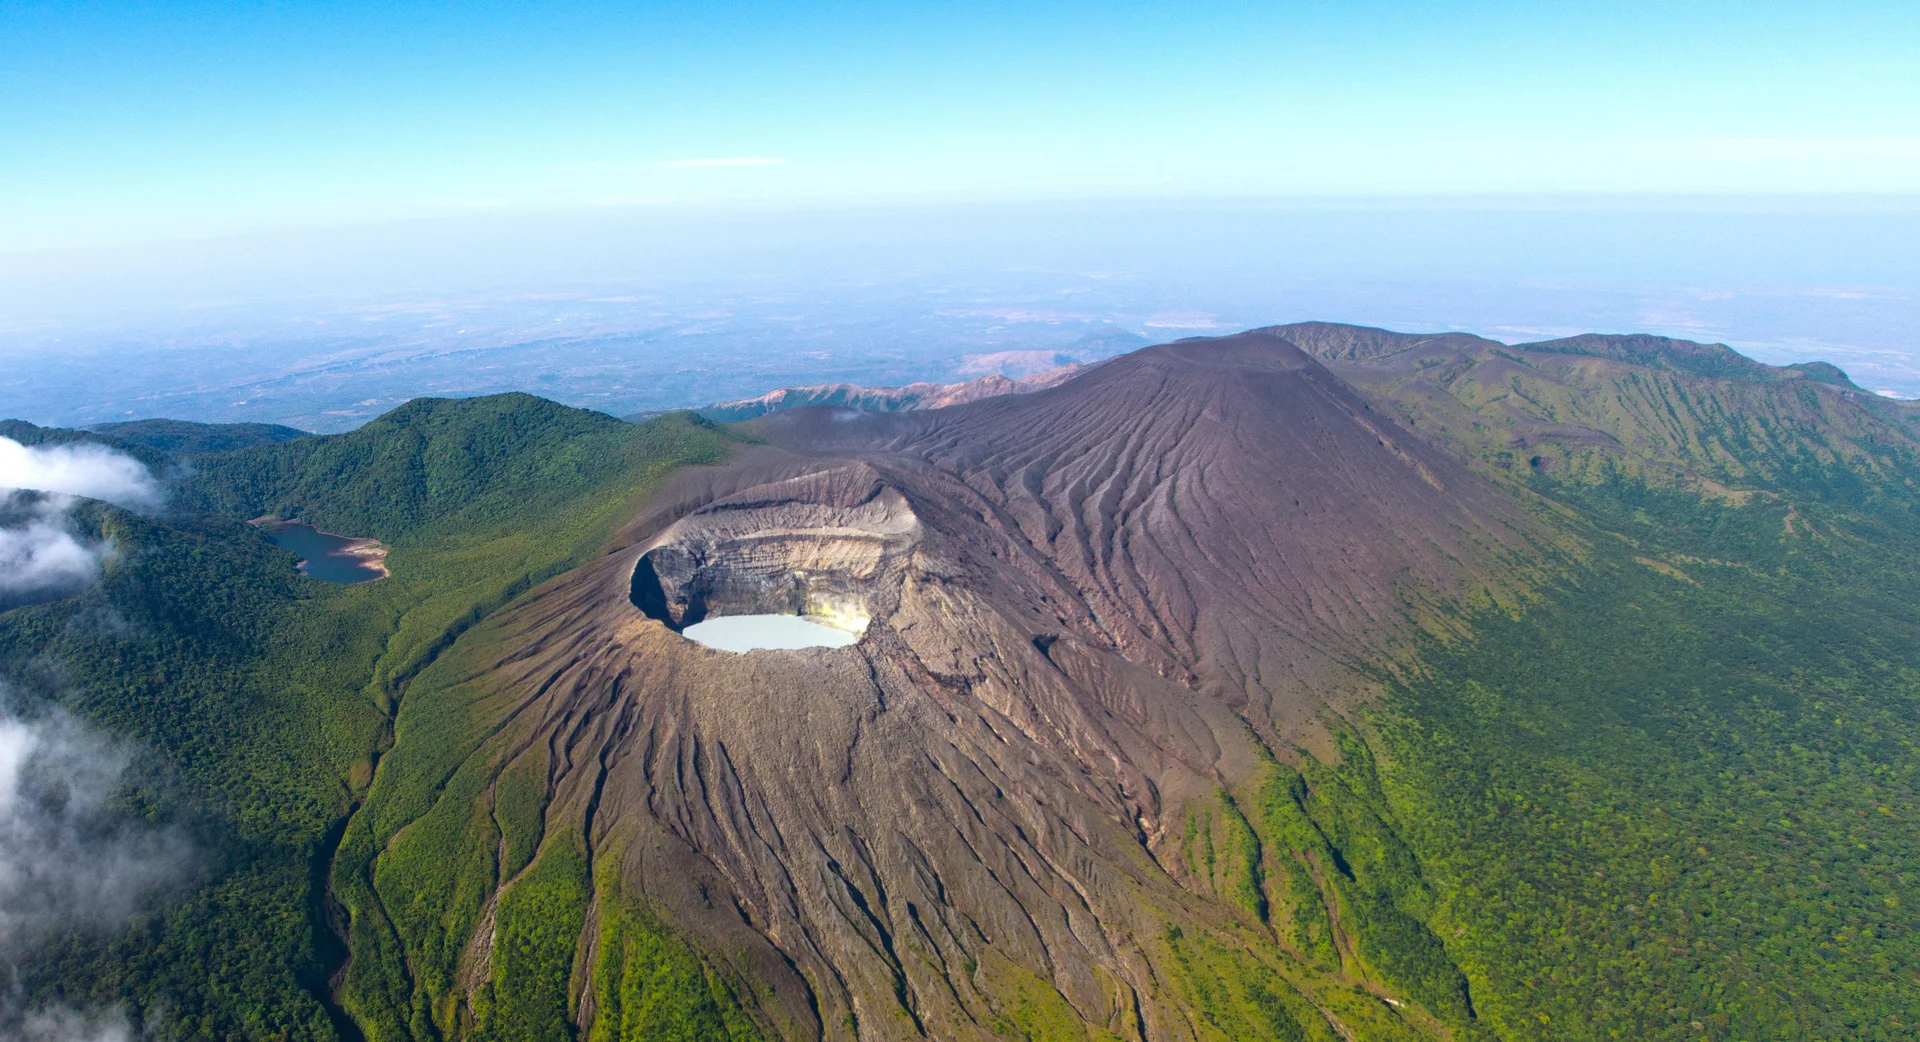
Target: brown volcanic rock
[1224, 511]
[1086, 602]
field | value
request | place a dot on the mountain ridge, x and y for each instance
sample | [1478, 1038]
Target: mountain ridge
[184, 438]
[1700, 415]
[1335, 342]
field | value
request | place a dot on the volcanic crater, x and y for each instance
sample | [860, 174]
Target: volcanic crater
[829, 547]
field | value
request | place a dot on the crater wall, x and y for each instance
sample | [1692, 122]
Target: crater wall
[829, 546]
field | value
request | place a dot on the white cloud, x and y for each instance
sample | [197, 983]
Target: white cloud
[69, 860]
[83, 469]
[1802, 148]
[1539, 332]
[687, 164]
[61, 1024]
[41, 558]
[68, 857]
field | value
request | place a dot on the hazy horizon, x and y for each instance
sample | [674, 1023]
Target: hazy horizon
[632, 310]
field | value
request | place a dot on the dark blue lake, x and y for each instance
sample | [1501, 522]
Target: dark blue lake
[328, 557]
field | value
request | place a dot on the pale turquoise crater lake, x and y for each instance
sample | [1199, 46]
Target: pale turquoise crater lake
[767, 633]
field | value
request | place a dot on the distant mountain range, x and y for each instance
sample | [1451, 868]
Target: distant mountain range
[994, 373]
[886, 399]
[1312, 683]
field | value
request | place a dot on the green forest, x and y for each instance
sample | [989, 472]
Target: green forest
[1676, 799]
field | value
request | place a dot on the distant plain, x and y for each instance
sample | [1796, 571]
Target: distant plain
[633, 311]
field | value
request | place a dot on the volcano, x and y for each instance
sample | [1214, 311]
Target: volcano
[1090, 609]
[1315, 684]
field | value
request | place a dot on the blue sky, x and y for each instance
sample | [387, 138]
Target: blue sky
[126, 122]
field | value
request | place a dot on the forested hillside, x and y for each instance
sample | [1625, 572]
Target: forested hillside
[263, 699]
[1676, 799]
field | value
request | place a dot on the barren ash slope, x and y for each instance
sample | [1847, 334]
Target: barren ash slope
[1098, 612]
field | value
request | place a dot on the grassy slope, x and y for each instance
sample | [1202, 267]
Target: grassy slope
[271, 694]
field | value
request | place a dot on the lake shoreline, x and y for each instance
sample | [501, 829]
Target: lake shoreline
[369, 553]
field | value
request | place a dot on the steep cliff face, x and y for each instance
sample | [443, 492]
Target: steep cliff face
[1103, 617]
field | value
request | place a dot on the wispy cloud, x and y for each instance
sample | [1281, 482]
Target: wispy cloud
[1517, 333]
[61, 1024]
[42, 557]
[69, 858]
[89, 470]
[1791, 148]
[688, 164]
[700, 163]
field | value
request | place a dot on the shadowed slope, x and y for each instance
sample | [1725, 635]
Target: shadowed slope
[1334, 342]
